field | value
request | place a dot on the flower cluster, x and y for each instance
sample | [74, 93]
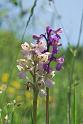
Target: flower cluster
[52, 38]
[35, 64]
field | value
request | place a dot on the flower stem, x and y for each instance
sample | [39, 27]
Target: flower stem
[47, 106]
[35, 95]
[47, 96]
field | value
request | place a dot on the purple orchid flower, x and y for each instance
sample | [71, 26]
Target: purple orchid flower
[52, 38]
[60, 60]
[49, 83]
[59, 66]
[22, 74]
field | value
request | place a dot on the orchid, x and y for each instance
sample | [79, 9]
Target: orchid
[52, 38]
[33, 58]
[36, 62]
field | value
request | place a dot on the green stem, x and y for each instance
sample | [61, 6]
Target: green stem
[69, 106]
[12, 117]
[74, 118]
[35, 95]
[47, 106]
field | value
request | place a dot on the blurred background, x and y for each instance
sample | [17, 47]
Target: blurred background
[19, 20]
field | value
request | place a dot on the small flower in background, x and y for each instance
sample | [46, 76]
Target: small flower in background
[6, 117]
[1, 92]
[37, 58]
[16, 84]
[2, 88]
[5, 77]
[11, 91]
